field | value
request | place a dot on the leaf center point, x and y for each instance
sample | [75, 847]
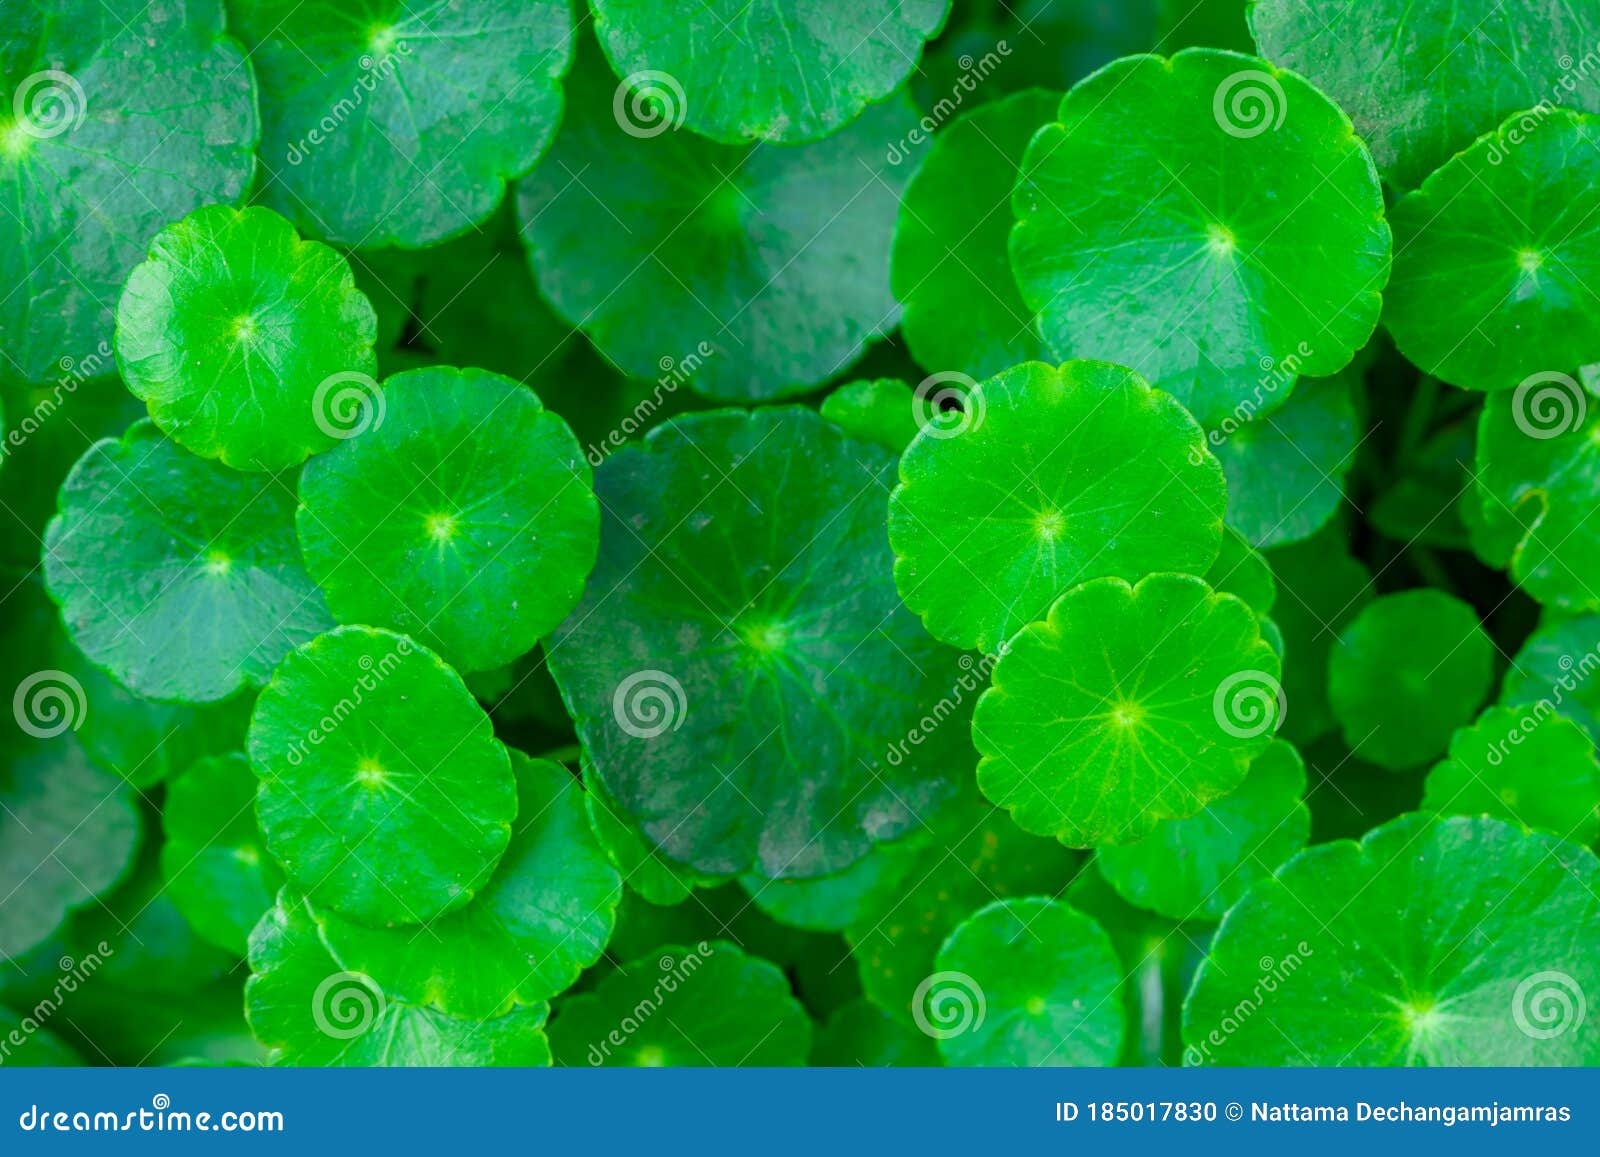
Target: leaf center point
[1220, 240]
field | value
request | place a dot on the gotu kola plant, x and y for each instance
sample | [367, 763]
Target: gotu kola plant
[914, 533]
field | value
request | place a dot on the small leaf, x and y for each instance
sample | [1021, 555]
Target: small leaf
[466, 518]
[384, 793]
[1409, 670]
[1496, 273]
[1242, 222]
[162, 583]
[237, 335]
[543, 917]
[1126, 706]
[881, 411]
[1028, 982]
[311, 1010]
[1047, 479]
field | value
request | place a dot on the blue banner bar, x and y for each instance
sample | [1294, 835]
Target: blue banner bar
[818, 1111]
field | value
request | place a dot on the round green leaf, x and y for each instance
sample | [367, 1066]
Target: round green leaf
[706, 1004]
[179, 576]
[214, 859]
[113, 122]
[1197, 868]
[431, 108]
[384, 793]
[1497, 256]
[882, 411]
[751, 273]
[1523, 764]
[1438, 941]
[465, 519]
[1320, 589]
[544, 916]
[972, 854]
[310, 1009]
[786, 70]
[242, 338]
[742, 611]
[1407, 672]
[68, 832]
[1028, 982]
[1126, 706]
[1240, 225]
[862, 1034]
[1422, 78]
[1047, 479]
[1286, 469]
[951, 270]
[644, 869]
[1538, 465]
[1557, 665]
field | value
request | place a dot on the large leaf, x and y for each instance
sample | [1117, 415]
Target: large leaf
[1197, 218]
[123, 118]
[743, 612]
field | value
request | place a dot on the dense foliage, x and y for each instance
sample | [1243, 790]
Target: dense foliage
[900, 532]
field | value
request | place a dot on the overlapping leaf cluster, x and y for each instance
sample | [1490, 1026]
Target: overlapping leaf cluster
[900, 533]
